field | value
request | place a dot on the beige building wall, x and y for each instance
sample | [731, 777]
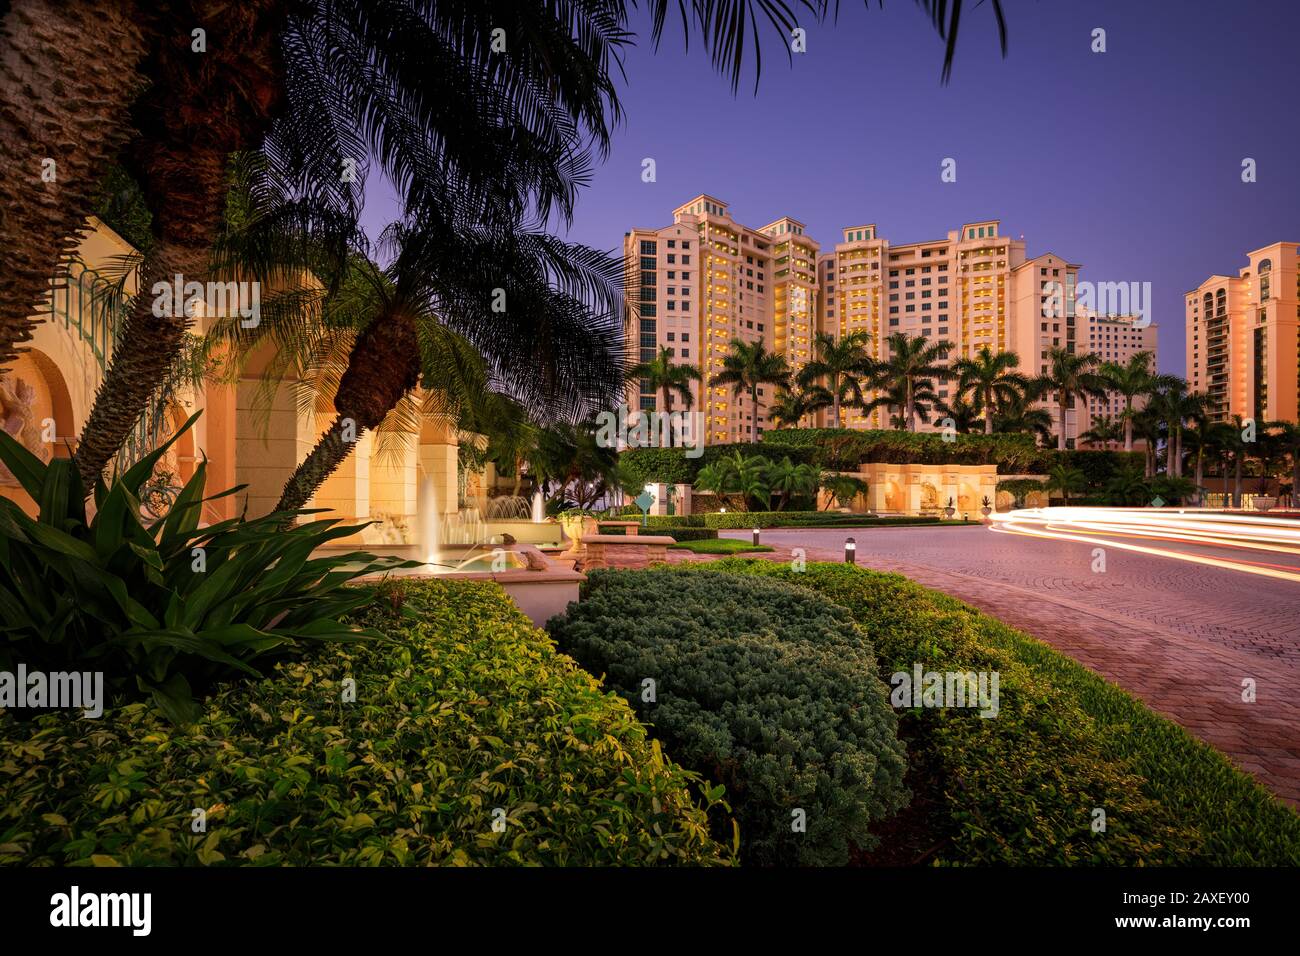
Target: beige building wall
[1243, 348]
[1115, 338]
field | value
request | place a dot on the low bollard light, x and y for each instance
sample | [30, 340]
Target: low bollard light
[756, 536]
[850, 551]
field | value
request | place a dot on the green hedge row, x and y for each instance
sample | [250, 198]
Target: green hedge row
[687, 534]
[844, 449]
[760, 686]
[805, 519]
[1024, 787]
[467, 718]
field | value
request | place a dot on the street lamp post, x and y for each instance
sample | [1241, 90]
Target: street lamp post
[850, 551]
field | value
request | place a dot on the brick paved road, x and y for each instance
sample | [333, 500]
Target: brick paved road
[1180, 636]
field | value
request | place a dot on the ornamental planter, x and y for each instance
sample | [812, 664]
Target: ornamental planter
[576, 527]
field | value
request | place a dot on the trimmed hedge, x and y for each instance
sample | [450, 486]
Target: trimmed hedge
[843, 449]
[646, 465]
[471, 709]
[1021, 788]
[723, 546]
[687, 534]
[759, 685]
[734, 520]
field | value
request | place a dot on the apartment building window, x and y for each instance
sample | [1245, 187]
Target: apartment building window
[647, 263]
[760, 288]
[893, 322]
[686, 277]
[672, 243]
[671, 258]
[648, 248]
[686, 260]
[893, 310]
[686, 243]
[893, 297]
[672, 305]
[760, 328]
[943, 329]
[672, 274]
[686, 336]
[670, 336]
[686, 353]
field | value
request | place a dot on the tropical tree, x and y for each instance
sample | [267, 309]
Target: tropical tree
[908, 374]
[991, 380]
[1175, 405]
[1127, 488]
[843, 365]
[747, 367]
[965, 416]
[668, 378]
[571, 461]
[1106, 431]
[1136, 377]
[1288, 442]
[512, 436]
[790, 407]
[1020, 417]
[1067, 480]
[1074, 378]
[786, 479]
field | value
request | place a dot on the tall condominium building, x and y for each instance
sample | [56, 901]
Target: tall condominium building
[973, 288]
[705, 280]
[1114, 338]
[1243, 350]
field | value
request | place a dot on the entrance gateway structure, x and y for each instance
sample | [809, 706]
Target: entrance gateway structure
[916, 489]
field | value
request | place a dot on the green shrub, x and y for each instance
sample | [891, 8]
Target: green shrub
[724, 546]
[672, 465]
[1021, 788]
[761, 687]
[469, 709]
[165, 606]
[843, 449]
[686, 534]
[735, 520]
[675, 521]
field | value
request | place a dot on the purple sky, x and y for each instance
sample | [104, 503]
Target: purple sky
[1128, 162]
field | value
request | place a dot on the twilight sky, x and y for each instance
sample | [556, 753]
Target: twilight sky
[1128, 162]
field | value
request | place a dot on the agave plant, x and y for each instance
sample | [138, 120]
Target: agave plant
[162, 606]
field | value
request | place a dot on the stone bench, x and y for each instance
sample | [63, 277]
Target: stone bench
[623, 550]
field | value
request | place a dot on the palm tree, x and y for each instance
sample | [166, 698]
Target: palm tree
[1073, 377]
[911, 368]
[1133, 379]
[1288, 438]
[924, 401]
[991, 380]
[965, 416]
[1128, 488]
[557, 349]
[786, 479]
[512, 436]
[844, 364]
[1067, 480]
[790, 407]
[748, 366]
[668, 377]
[1175, 405]
[1020, 417]
[1105, 431]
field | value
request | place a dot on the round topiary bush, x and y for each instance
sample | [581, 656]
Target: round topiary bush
[765, 688]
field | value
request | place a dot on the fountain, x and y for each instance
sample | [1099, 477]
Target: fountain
[426, 510]
[539, 507]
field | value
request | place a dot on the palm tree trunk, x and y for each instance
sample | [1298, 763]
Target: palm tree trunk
[190, 122]
[330, 451]
[835, 409]
[384, 365]
[909, 413]
[1178, 451]
[1236, 480]
[668, 414]
[1060, 429]
[753, 422]
[69, 71]
[147, 345]
[988, 417]
[1128, 425]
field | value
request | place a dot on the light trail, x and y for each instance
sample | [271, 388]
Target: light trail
[1212, 529]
